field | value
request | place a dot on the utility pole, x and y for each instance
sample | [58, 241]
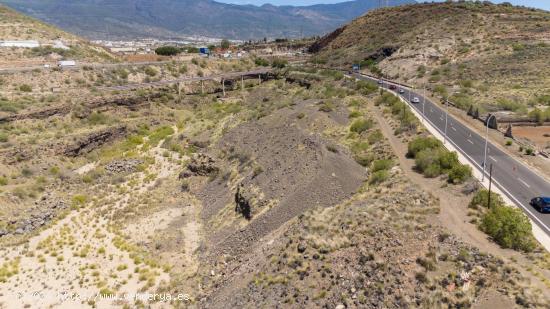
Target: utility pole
[446, 119]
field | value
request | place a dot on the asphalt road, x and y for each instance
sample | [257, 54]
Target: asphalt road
[514, 178]
[78, 66]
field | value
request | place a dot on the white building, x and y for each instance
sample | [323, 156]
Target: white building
[123, 50]
[23, 44]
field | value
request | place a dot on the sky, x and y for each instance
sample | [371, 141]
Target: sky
[542, 4]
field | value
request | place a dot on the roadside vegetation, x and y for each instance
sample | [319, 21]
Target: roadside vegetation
[508, 226]
[432, 160]
[400, 110]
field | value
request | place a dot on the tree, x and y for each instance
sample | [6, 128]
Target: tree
[192, 50]
[167, 51]
[225, 44]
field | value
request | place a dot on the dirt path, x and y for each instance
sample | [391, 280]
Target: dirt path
[86, 254]
[453, 205]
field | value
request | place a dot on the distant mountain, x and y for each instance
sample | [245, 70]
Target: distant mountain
[118, 19]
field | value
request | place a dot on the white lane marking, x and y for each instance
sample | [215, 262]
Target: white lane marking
[491, 157]
[501, 187]
[441, 118]
[470, 142]
[453, 128]
[523, 182]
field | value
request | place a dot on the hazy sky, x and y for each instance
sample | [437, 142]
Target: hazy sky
[543, 4]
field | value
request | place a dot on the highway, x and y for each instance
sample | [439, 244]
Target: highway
[514, 178]
[52, 65]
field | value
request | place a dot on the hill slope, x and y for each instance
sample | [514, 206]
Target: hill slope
[494, 56]
[15, 26]
[175, 18]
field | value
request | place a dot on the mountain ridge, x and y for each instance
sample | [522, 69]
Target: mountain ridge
[127, 19]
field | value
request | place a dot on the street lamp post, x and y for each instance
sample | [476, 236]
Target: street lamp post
[485, 152]
[423, 101]
[446, 119]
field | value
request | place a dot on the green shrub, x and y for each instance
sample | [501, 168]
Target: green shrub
[3, 181]
[160, 134]
[326, 107]
[361, 125]
[354, 114]
[96, 118]
[25, 88]
[380, 165]
[150, 71]
[78, 201]
[401, 111]
[54, 170]
[510, 105]
[427, 162]
[3, 137]
[482, 199]
[359, 147]
[366, 87]
[279, 63]
[462, 100]
[261, 62]
[364, 159]
[422, 143]
[378, 177]
[26, 172]
[432, 159]
[460, 173]
[509, 227]
[375, 137]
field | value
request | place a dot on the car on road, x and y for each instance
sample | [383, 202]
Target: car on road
[401, 91]
[380, 81]
[392, 87]
[541, 204]
[415, 100]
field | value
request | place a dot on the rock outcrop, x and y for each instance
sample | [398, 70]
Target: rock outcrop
[93, 140]
[123, 166]
[201, 165]
[43, 212]
[243, 202]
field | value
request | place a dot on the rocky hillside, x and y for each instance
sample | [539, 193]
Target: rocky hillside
[492, 56]
[55, 43]
[110, 19]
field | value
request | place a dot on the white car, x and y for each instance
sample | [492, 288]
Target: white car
[415, 100]
[46, 66]
[401, 90]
